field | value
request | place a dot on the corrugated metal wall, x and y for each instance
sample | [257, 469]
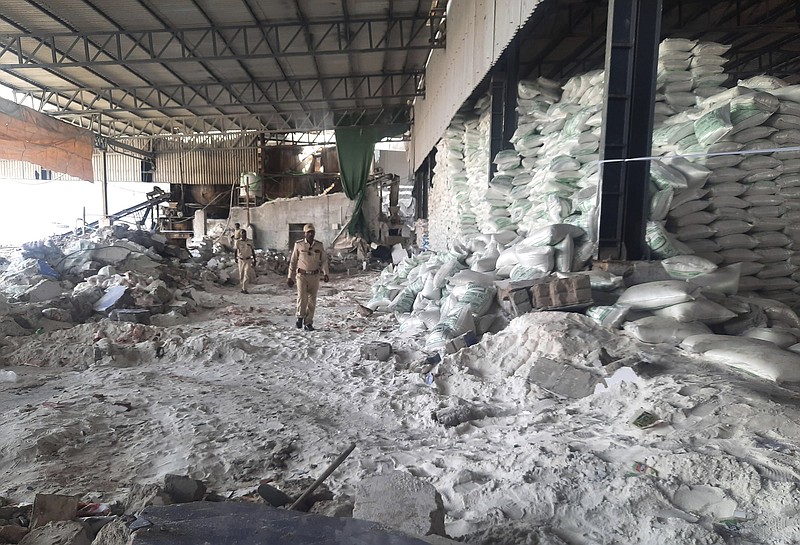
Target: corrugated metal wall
[477, 33]
[201, 167]
[176, 162]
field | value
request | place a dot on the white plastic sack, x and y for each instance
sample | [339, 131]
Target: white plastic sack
[658, 330]
[656, 295]
[687, 266]
[754, 356]
[700, 310]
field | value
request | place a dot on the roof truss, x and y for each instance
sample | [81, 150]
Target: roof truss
[262, 41]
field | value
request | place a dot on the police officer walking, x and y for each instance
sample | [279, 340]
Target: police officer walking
[308, 262]
[245, 257]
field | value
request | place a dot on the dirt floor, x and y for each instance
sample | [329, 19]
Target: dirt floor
[235, 394]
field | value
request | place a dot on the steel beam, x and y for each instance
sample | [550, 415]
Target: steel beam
[634, 27]
[247, 42]
[164, 98]
[276, 121]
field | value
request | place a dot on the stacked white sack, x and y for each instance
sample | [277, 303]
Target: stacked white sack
[431, 289]
[741, 207]
[449, 195]
[752, 333]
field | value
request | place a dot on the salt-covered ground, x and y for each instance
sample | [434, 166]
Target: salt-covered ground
[236, 394]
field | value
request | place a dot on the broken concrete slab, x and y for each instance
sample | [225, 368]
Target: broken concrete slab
[376, 350]
[113, 297]
[183, 489]
[402, 501]
[110, 255]
[160, 291]
[53, 507]
[243, 523]
[45, 290]
[564, 379]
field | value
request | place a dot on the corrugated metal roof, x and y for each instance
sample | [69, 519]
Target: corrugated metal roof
[165, 54]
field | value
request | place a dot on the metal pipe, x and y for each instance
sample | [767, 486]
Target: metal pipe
[104, 186]
[331, 468]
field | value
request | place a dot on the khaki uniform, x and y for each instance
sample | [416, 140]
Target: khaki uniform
[244, 257]
[237, 234]
[307, 263]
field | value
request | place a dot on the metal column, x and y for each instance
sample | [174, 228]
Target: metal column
[498, 93]
[634, 29]
[104, 187]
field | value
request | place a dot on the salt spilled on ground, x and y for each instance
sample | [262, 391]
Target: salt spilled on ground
[237, 394]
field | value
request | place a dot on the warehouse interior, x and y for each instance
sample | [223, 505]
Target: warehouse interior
[564, 245]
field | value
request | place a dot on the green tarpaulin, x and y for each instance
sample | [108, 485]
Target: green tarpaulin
[356, 147]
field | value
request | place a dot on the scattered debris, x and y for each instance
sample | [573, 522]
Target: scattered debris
[376, 350]
[184, 489]
[401, 501]
[646, 420]
[53, 507]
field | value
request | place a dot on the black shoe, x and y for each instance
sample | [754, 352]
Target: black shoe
[244, 291]
[299, 323]
[309, 327]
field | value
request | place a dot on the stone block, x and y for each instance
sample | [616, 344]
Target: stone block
[110, 255]
[462, 341]
[273, 496]
[133, 315]
[522, 295]
[563, 379]
[12, 533]
[376, 350]
[53, 507]
[183, 489]
[520, 309]
[45, 290]
[506, 287]
[401, 501]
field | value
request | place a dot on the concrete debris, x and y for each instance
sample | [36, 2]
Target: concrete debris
[376, 350]
[134, 315]
[565, 380]
[183, 489]
[115, 532]
[57, 314]
[273, 496]
[462, 341]
[453, 416]
[61, 533]
[401, 501]
[112, 299]
[11, 533]
[53, 507]
[84, 279]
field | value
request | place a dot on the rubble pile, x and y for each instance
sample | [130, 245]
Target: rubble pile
[124, 274]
